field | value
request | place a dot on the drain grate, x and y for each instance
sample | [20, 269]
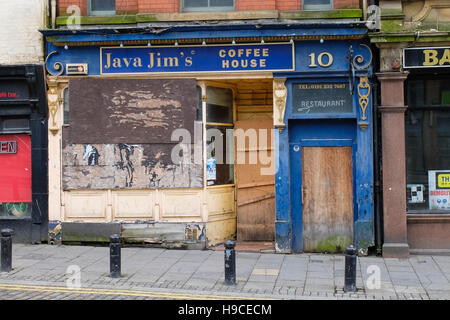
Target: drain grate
[316, 261]
[341, 290]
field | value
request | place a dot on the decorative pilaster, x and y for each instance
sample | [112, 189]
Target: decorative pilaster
[55, 194]
[279, 102]
[394, 164]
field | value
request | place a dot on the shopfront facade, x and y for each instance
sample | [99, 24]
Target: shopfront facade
[150, 136]
[414, 51]
[23, 152]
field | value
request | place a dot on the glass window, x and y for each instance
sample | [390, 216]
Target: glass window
[15, 124]
[317, 4]
[66, 106]
[427, 127]
[219, 105]
[218, 169]
[219, 136]
[199, 105]
[101, 7]
[207, 5]
[15, 210]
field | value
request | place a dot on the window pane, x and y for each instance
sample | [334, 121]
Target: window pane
[221, 3]
[66, 107]
[317, 4]
[103, 5]
[15, 210]
[219, 105]
[427, 149]
[416, 93]
[219, 170]
[195, 3]
[16, 124]
[199, 105]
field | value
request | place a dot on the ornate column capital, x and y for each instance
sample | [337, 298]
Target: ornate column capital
[279, 102]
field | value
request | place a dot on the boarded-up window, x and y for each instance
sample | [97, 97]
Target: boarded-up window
[120, 134]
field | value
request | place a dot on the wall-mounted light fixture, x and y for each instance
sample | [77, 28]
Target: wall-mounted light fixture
[121, 44]
[204, 42]
[262, 39]
[66, 46]
[233, 42]
[292, 39]
[321, 39]
[176, 42]
[149, 43]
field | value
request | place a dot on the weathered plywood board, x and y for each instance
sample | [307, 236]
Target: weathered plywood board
[120, 134]
[129, 111]
[255, 187]
[327, 184]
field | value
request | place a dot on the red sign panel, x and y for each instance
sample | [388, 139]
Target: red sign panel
[15, 168]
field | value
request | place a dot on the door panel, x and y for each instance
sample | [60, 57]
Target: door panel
[327, 196]
[255, 192]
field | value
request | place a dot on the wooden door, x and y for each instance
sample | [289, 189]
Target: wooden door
[327, 196]
[255, 192]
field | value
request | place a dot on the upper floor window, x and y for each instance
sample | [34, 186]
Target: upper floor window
[207, 5]
[317, 4]
[101, 7]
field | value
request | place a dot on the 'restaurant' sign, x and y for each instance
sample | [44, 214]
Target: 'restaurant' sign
[8, 147]
[426, 57]
[321, 98]
[220, 58]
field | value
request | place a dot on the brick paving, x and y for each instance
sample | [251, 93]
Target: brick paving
[174, 273]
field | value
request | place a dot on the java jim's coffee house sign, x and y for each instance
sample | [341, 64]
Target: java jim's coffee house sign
[220, 58]
[433, 57]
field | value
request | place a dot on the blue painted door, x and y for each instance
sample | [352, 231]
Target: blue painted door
[322, 166]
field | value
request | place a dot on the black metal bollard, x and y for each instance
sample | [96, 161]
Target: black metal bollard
[6, 243]
[350, 269]
[115, 258]
[230, 263]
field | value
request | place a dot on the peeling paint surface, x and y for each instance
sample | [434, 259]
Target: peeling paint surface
[131, 111]
[122, 166]
[119, 135]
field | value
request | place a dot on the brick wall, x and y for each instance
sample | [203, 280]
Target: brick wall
[241, 5]
[158, 6]
[64, 4]
[127, 6]
[288, 4]
[346, 4]
[21, 40]
[150, 6]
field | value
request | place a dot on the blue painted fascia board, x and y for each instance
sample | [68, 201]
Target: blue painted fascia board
[179, 33]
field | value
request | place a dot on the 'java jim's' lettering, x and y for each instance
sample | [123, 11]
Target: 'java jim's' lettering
[256, 57]
[155, 60]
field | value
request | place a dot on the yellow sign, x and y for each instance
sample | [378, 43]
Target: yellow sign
[443, 180]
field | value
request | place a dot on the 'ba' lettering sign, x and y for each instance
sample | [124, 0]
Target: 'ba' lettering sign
[220, 58]
[8, 147]
[426, 57]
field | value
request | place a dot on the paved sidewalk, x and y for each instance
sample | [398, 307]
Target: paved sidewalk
[185, 273]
